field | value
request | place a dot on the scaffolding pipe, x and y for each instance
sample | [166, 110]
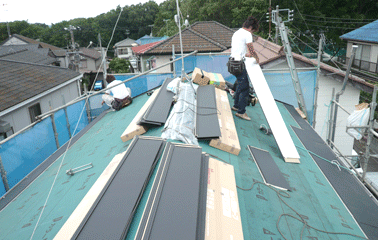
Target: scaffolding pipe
[373, 104]
[4, 176]
[330, 122]
[320, 51]
[354, 48]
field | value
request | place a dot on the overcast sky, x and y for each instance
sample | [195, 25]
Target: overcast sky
[47, 11]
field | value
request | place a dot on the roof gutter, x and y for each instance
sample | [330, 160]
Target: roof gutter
[15, 107]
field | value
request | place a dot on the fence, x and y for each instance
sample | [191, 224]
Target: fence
[23, 152]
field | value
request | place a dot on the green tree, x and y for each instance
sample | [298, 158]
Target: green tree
[120, 65]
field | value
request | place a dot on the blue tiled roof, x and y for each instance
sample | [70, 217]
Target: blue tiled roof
[147, 39]
[367, 33]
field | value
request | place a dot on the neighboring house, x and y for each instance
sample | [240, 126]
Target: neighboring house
[31, 53]
[139, 52]
[205, 37]
[90, 60]
[122, 49]
[28, 90]
[59, 53]
[366, 38]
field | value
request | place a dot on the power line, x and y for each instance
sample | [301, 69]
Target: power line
[327, 21]
[324, 26]
[338, 18]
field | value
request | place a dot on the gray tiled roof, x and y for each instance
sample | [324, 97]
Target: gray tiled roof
[208, 36]
[27, 56]
[16, 48]
[21, 81]
[87, 52]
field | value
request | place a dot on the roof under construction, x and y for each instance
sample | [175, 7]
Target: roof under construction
[325, 200]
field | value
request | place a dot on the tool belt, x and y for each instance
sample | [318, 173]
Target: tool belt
[118, 104]
[235, 67]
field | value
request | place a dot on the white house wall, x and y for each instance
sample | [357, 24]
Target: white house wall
[162, 59]
[348, 100]
[20, 118]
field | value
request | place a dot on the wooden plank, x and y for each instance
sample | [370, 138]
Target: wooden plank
[271, 112]
[134, 129]
[228, 141]
[223, 219]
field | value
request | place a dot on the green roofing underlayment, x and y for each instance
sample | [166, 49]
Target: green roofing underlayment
[261, 207]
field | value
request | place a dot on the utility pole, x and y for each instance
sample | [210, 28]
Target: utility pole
[276, 16]
[289, 56]
[103, 57]
[73, 46]
[151, 29]
[166, 20]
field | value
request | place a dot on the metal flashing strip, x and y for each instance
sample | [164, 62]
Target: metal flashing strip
[207, 124]
[28, 179]
[360, 203]
[272, 114]
[158, 111]
[111, 214]
[268, 168]
[177, 202]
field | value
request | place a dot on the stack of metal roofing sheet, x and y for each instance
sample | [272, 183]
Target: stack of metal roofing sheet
[158, 111]
[207, 125]
[176, 207]
[111, 214]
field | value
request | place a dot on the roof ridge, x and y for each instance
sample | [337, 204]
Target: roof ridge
[35, 64]
[11, 52]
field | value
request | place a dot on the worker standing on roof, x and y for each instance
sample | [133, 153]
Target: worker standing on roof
[121, 94]
[242, 46]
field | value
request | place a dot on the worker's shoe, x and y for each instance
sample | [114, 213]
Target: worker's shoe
[234, 109]
[243, 116]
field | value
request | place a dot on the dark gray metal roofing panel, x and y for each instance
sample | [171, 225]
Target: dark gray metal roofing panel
[158, 111]
[114, 209]
[268, 168]
[355, 196]
[180, 199]
[207, 124]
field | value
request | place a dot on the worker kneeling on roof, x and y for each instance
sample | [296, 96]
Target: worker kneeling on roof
[121, 94]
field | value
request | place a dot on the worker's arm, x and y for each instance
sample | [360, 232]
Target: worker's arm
[251, 52]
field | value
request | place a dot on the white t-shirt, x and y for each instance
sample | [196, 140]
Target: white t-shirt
[240, 39]
[120, 91]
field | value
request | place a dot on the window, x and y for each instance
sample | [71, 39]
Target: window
[34, 111]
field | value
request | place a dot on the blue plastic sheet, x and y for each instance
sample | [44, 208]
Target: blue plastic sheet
[77, 117]
[281, 86]
[143, 83]
[23, 153]
[61, 127]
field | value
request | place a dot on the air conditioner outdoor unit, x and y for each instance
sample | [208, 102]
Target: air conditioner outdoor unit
[4, 126]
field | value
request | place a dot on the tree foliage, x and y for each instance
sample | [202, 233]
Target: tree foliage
[333, 18]
[119, 65]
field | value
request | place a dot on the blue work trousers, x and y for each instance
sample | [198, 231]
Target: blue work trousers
[242, 92]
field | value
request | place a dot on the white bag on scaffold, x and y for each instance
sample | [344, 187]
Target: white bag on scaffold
[358, 118]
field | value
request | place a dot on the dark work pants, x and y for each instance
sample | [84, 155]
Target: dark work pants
[242, 92]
